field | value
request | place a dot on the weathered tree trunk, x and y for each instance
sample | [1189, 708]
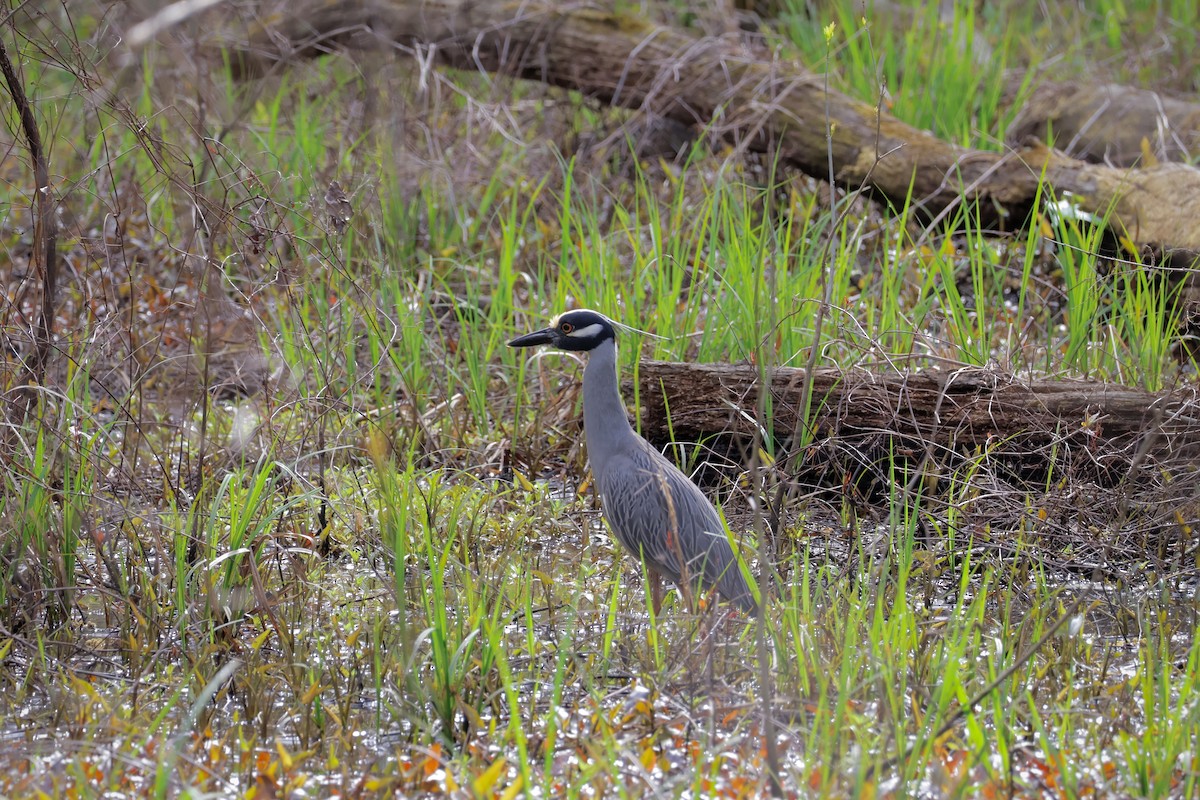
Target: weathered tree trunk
[628, 61]
[934, 416]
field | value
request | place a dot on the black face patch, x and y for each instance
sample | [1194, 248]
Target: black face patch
[578, 331]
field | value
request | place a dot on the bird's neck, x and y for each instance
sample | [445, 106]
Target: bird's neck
[604, 420]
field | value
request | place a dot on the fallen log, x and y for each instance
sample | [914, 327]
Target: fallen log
[1109, 123]
[760, 102]
[937, 417]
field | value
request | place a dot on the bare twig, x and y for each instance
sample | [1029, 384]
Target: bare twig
[45, 253]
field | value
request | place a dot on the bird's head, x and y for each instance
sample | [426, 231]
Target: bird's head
[578, 330]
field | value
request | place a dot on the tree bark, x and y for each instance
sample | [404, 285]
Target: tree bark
[757, 101]
[940, 417]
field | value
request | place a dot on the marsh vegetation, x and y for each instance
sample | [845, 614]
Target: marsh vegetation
[281, 515]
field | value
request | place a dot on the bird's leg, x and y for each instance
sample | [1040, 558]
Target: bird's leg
[656, 590]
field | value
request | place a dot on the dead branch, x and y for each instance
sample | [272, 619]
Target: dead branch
[45, 252]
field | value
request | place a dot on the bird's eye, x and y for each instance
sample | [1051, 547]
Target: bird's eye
[566, 327]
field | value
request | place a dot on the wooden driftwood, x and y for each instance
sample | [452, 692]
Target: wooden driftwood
[933, 416]
[744, 94]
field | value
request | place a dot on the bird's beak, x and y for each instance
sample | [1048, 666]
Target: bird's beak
[544, 336]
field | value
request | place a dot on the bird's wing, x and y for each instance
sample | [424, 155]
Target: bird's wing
[705, 541]
[634, 491]
[657, 512]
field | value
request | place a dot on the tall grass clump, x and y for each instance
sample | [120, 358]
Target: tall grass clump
[697, 269]
[1146, 314]
[929, 65]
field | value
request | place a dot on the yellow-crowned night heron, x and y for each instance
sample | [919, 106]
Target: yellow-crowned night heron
[654, 510]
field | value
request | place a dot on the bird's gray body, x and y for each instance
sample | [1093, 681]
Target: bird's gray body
[652, 508]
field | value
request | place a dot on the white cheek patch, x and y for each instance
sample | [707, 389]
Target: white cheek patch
[587, 332]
